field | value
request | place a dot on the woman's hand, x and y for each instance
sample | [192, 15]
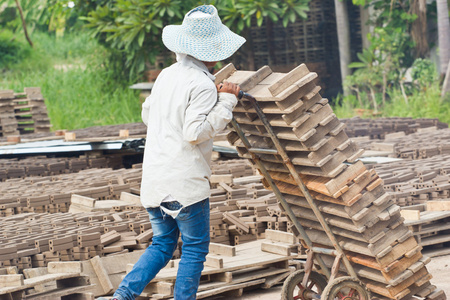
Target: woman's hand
[228, 87]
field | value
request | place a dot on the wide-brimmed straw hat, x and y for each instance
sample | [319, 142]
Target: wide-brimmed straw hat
[202, 35]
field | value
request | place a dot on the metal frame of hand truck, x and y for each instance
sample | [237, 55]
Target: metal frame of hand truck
[337, 252]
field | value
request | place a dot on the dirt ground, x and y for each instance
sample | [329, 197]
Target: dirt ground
[439, 267]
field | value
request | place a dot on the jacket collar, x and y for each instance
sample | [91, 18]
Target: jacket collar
[196, 64]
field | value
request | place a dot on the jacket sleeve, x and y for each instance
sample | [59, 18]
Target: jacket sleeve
[145, 110]
[207, 114]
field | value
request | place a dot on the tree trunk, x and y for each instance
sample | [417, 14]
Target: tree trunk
[270, 42]
[24, 25]
[446, 84]
[419, 27]
[444, 35]
[250, 54]
[343, 32]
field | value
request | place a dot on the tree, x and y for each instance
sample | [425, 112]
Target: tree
[419, 30]
[343, 32]
[132, 28]
[444, 35]
[24, 25]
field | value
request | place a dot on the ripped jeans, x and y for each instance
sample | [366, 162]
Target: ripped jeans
[193, 224]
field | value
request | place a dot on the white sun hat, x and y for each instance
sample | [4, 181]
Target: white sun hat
[202, 35]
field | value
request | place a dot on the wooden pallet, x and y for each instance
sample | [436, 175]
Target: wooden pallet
[65, 286]
[229, 270]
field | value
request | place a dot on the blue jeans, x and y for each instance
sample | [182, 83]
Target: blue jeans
[193, 224]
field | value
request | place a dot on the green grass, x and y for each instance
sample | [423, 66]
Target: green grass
[425, 103]
[80, 91]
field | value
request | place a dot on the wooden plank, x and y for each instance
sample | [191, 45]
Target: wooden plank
[257, 77]
[64, 267]
[276, 248]
[74, 293]
[214, 261]
[219, 249]
[229, 287]
[289, 79]
[224, 73]
[102, 275]
[275, 279]
[410, 214]
[280, 236]
[128, 197]
[29, 283]
[82, 200]
[436, 205]
[11, 280]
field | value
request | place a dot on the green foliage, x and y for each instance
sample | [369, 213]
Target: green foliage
[382, 66]
[423, 73]
[36, 13]
[344, 107]
[12, 50]
[423, 103]
[132, 28]
[79, 90]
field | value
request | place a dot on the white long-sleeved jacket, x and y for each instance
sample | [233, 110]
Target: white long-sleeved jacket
[182, 114]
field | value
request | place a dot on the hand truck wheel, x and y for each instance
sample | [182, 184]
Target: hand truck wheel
[345, 288]
[293, 288]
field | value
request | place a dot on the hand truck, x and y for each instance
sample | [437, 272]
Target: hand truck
[306, 284]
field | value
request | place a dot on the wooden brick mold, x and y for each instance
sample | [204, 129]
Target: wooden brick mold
[8, 122]
[23, 112]
[365, 220]
[379, 127]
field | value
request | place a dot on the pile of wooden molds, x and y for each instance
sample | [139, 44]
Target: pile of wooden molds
[361, 214]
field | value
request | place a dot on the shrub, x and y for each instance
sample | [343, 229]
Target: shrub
[12, 50]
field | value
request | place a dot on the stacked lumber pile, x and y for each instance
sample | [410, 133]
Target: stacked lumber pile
[8, 121]
[91, 133]
[249, 208]
[53, 193]
[40, 284]
[379, 127]
[425, 143]
[134, 129]
[227, 268]
[360, 213]
[31, 111]
[25, 112]
[232, 168]
[413, 182]
[47, 166]
[35, 239]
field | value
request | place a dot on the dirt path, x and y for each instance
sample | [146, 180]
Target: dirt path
[439, 267]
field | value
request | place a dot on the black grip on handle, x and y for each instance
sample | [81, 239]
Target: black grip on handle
[241, 94]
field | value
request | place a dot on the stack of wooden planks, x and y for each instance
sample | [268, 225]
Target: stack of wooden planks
[31, 111]
[425, 143]
[51, 166]
[8, 121]
[360, 213]
[228, 269]
[27, 112]
[95, 133]
[53, 193]
[379, 127]
[34, 240]
[413, 182]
